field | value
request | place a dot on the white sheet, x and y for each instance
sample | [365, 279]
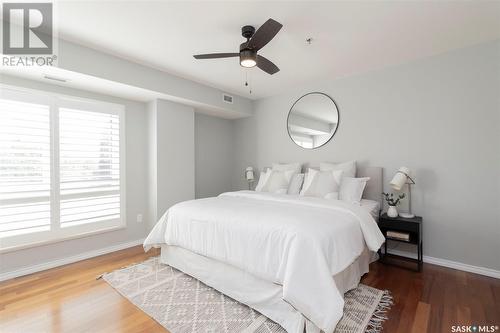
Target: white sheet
[372, 206]
[297, 242]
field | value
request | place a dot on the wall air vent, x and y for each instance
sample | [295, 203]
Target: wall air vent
[227, 98]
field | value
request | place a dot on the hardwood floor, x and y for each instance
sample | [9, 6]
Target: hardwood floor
[437, 298]
[70, 299]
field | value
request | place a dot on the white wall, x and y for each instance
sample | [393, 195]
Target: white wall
[439, 116]
[136, 178]
[214, 155]
[152, 163]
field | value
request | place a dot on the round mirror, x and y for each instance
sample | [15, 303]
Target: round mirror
[313, 120]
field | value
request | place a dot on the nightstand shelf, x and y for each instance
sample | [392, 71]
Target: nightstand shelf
[411, 227]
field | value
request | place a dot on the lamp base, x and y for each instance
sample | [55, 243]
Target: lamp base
[406, 215]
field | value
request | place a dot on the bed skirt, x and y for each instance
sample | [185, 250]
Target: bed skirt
[257, 293]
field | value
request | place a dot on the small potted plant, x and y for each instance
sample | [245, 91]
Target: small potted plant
[393, 201]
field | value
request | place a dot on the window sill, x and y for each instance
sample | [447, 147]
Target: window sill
[60, 239]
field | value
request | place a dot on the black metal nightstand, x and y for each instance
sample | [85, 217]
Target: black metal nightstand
[402, 230]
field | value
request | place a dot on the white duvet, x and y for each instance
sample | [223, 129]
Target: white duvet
[297, 242]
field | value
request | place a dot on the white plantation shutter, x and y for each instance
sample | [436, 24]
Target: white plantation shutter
[24, 167]
[61, 167]
[89, 166]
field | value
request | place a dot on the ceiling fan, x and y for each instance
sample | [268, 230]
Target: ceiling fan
[248, 50]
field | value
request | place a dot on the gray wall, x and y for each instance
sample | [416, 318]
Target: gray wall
[175, 154]
[81, 59]
[171, 156]
[136, 179]
[214, 155]
[439, 116]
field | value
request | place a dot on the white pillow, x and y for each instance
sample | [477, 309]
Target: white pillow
[263, 178]
[308, 179]
[278, 181]
[349, 168]
[322, 183]
[351, 189]
[296, 183]
[286, 167]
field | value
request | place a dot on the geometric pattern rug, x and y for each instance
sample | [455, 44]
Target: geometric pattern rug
[182, 304]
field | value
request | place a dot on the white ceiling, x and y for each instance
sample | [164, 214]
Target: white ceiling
[348, 37]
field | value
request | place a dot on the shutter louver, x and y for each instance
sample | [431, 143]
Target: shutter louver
[24, 168]
[89, 160]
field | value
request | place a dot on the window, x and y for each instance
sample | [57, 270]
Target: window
[61, 167]
[89, 166]
[24, 168]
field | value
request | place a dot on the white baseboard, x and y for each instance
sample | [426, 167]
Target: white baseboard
[90, 254]
[68, 260]
[451, 264]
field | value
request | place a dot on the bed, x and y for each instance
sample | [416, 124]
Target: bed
[276, 253]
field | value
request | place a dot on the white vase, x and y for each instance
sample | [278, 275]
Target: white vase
[392, 211]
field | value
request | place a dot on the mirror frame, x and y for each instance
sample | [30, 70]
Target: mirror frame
[336, 128]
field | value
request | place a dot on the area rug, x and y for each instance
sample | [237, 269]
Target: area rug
[182, 304]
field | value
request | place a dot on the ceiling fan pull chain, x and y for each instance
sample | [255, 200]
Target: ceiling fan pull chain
[249, 78]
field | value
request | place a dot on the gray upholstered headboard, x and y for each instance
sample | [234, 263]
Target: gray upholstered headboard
[374, 187]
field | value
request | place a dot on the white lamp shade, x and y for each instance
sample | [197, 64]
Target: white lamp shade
[400, 178]
[249, 174]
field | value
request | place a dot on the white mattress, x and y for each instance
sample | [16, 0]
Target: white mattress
[261, 295]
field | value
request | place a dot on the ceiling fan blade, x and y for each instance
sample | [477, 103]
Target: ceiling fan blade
[216, 55]
[267, 65]
[264, 34]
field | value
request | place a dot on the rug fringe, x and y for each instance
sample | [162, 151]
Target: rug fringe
[380, 314]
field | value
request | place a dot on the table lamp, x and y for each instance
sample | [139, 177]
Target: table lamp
[401, 178]
[249, 177]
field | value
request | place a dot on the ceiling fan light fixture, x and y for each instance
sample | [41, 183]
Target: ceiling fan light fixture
[248, 63]
[248, 58]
